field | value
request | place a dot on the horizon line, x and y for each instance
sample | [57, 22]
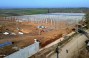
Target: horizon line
[42, 7]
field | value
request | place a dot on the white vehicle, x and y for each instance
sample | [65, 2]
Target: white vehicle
[13, 33]
[6, 33]
[20, 33]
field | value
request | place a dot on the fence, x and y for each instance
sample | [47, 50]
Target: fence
[26, 52]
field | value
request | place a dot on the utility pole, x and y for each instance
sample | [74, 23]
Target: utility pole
[57, 51]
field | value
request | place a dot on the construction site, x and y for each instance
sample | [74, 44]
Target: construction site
[16, 33]
[44, 28]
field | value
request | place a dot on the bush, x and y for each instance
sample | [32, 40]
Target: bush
[87, 19]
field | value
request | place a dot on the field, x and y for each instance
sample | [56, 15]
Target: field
[30, 11]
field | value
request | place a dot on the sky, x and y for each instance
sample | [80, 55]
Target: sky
[43, 3]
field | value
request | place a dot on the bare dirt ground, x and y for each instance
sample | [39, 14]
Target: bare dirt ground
[31, 32]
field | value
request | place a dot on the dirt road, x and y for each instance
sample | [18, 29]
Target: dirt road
[71, 48]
